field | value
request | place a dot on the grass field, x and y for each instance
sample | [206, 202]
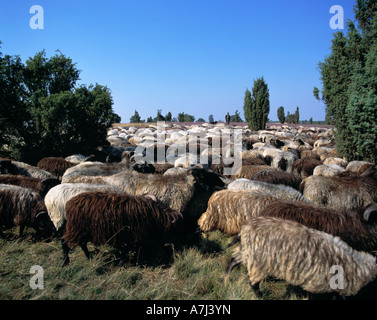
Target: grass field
[195, 272]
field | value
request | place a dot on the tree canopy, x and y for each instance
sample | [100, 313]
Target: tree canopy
[44, 113]
[349, 79]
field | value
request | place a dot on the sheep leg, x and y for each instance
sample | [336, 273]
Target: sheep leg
[86, 251]
[66, 250]
[232, 263]
[256, 289]
[22, 227]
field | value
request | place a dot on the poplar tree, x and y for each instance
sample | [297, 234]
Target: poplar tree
[349, 79]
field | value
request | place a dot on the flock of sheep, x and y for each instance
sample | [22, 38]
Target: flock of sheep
[295, 209]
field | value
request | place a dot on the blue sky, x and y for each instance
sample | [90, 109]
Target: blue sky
[192, 56]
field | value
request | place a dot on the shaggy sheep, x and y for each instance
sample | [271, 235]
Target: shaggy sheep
[22, 207]
[327, 170]
[93, 169]
[56, 166]
[276, 176]
[304, 167]
[187, 192]
[356, 228]
[20, 168]
[248, 171]
[120, 220]
[359, 166]
[228, 210]
[279, 191]
[301, 256]
[57, 197]
[37, 185]
[346, 192]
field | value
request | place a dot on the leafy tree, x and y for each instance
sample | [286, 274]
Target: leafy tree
[160, 117]
[281, 114]
[349, 81]
[181, 117]
[135, 118]
[210, 118]
[150, 119]
[200, 120]
[257, 105]
[168, 117]
[56, 117]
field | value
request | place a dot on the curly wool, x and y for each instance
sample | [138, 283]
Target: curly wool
[301, 256]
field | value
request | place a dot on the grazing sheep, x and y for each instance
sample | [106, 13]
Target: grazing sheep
[356, 228]
[301, 256]
[123, 221]
[93, 169]
[187, 192]
[55, 165]
[347, 192]
[359, 166]
[279, 191]
[327, 170]
[57, 197]
[338, 161]
[276, 176]
[37, 185]
[23, 207]
[248, 171]
[304, 167]
[20, 168]
[229, 209]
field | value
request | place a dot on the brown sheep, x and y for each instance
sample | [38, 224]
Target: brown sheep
[23, 207]
[276, 176]
[356, 228]
[55, 165]
[123, 221]
[248, 171]
[36, 184]
[304, 167]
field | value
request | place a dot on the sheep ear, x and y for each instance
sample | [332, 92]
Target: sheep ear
[370, 214]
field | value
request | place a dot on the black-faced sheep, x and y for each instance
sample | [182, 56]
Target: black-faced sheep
[229, 209]
[287, 250]
[57, 166]
[356, 228]
[276, 176]
[37, 185]
[56, 199]
[22, 207]
[120, 220]
[343, 192]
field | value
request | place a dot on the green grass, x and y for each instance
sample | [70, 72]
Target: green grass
[195, 272]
